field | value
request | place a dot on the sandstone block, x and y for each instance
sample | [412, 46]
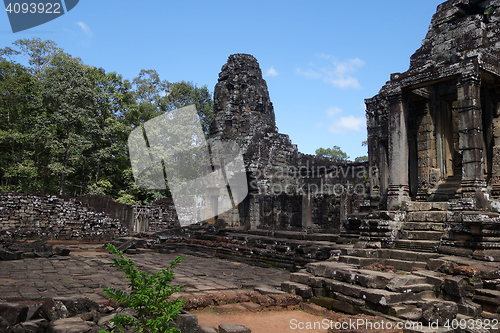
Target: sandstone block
[13, 313]
[441, 311]
[187, 323]
[69, 325]
[230, 328]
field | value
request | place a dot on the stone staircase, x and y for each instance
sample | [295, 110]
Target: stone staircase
[448, 189]
[420, 286]
[266, 248]
[423, 227]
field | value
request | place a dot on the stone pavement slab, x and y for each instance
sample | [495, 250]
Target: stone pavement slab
[86, 275]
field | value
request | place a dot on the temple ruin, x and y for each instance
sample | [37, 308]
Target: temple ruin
[433, 130]
[288, 190]
[411, 235]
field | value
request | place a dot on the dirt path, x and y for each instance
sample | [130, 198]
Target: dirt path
[264, 322]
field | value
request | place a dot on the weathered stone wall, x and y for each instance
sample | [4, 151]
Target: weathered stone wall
[105, 203]
[158, 216]
[33, 216]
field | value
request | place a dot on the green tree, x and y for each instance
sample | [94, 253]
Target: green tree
[107, 157]
[184, 93]
[20, 101]
[64, 125]
[39, 54]
[335, 153]
[70, 99]
[149, 90]
[361, 159]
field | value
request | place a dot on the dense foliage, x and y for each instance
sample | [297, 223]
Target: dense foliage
[335, 153]
[64, 125]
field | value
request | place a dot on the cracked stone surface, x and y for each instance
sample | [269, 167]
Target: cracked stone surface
[86, 274]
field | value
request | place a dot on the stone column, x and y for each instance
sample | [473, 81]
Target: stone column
[495, 180]
[307, 222]
[426, 152]
[471, 141]
[398, 153]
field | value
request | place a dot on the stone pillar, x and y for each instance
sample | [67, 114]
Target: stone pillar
[211, 204]
[426, 152]
[398, 153]
[495, 177]
[307, 222]
[471, 141]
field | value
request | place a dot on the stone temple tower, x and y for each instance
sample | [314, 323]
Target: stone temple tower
[242, 107]
[243, 113]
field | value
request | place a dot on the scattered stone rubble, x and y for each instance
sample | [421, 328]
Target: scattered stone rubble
[32, 216]
[81, 315]
[41, 248]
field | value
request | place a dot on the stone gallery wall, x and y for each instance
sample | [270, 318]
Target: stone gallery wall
[158, 216]
[33, 216]
[106, 204]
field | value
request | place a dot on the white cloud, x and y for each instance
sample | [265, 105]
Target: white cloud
[271, 72]
[332, 111]
[85, 28]
[336, 73]
[309, 73]
[340, 124]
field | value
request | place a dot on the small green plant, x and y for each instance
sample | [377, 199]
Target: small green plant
[148, 295]
[489, 11]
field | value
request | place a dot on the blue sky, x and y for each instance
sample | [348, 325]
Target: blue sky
[320, 59]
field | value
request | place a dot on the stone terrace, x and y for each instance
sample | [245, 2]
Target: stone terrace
[86, 274]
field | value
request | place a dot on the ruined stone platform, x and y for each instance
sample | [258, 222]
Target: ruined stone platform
[290, 250]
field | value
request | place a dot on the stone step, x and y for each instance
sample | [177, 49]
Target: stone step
[360, 261]
[403, 265]
[427, 226]
[399, 259]
[365, 253]
[300, 277]
[415, 288]
[350, 274]
[293, 243]
[374, 295]
[328, 268]
[389, 254]
[400, 282]
[490, 299]
[427, 216]
[434, 278]
[416, 245]
[300, 289]
[411, 255]
[421, 235]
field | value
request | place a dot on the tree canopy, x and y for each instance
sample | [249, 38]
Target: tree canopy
[64, 125]
[335, 153]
